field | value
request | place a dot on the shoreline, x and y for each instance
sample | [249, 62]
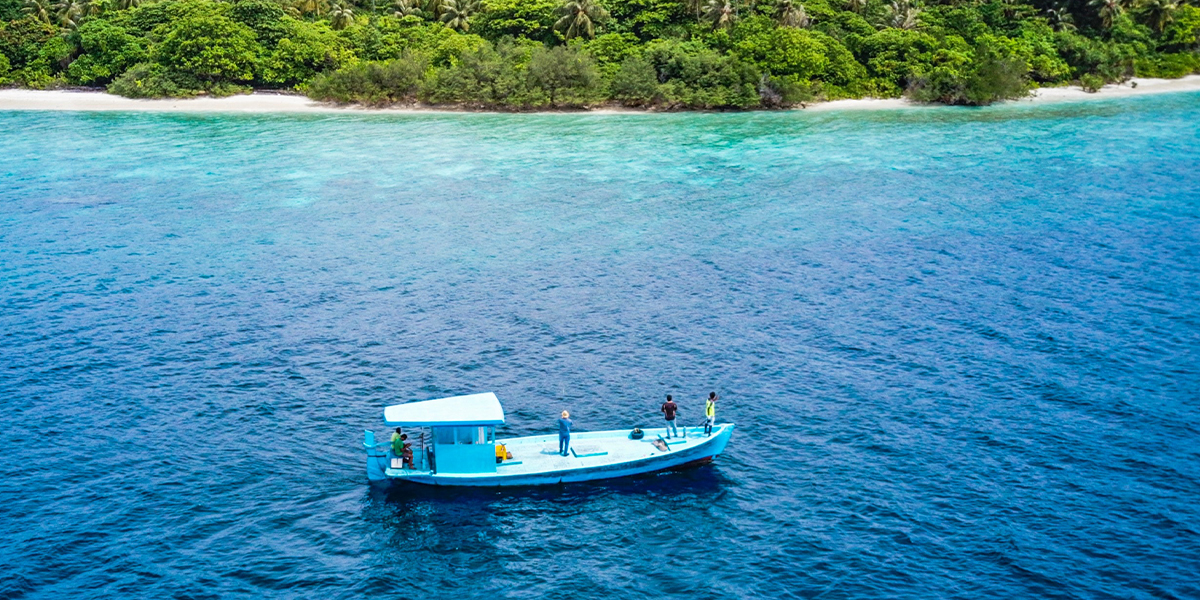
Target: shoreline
[15, 99]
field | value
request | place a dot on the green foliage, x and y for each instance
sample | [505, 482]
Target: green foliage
[485, 76]
[671, 54]
[1109, 62]
[635, 83]
[106, 51]
[1168, 66]
[304, 51]
[389, 38]
[373, 82]
[10, 10]
[649, 19]
[532, 19]
[611, 49]
[1183, 32]
[145, 19]
[992, 74]
[209, 46]
[784, 51]
[694, 76]
[897, 56]
[152, 80]
[264, 17]
[1091, 83]
[21, 40]
[567, 75]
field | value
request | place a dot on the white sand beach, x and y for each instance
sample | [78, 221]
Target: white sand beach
[1133, 87]
[69, 100]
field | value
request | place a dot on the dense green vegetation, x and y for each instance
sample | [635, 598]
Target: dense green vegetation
[520, 54]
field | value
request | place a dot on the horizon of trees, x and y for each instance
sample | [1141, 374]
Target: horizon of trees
[524, 54]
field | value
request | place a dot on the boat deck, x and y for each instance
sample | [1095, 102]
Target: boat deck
[539, 454]
[592, 450]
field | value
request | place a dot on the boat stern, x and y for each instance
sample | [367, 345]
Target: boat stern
[377, 458]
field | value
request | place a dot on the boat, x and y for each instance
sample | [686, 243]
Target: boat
[457, 447]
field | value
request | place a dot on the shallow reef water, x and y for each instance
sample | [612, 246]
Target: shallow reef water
[961, 348]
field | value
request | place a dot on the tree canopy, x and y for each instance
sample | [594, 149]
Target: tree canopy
[669, 54]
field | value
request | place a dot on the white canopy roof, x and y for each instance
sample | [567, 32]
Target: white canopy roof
[473, 409]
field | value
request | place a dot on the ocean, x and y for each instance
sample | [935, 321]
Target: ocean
[961, 346]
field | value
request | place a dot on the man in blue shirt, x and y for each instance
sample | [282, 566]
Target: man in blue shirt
[564, 433]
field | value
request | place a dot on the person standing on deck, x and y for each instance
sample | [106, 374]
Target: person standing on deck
[669, 408]
[564, 433]
[710, 412]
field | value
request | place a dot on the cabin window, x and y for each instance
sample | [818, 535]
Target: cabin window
[465, 435]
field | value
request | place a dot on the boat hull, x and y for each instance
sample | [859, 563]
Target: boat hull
[695, 450]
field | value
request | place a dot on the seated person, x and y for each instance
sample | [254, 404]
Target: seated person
[406, 451]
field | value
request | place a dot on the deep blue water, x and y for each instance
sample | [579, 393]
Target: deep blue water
[961, 347]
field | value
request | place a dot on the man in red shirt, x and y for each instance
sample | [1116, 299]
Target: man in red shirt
[669, 408]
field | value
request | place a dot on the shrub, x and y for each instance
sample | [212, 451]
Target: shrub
[533, 19]
[1168, 66]
[1183, 32]
[783, 51]
[567, 75]
[993, 74]
[611, 49]
[782, 92]
[264, 18]
[898, 55]
[648, 19]
[1091, 83]
[21, 41]
[372, 82]
[107, 51]
[209, 46]
[635, 83]
[694, 76]
[152, 80]
[305, 50]
[489, 76]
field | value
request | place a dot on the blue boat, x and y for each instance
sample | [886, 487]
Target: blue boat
[457, 446]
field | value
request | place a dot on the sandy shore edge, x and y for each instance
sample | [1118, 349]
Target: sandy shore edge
[62, 100]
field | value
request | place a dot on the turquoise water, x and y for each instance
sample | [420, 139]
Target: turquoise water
[960, 346]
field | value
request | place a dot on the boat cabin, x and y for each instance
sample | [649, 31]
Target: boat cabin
[462, 432]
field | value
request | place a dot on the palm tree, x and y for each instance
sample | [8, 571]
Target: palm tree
[408, 8]
[38, 9]
[579, 17]
[341, 15]
[857, 6]
[790, 14]
[1109, 10]
[1060, 18]
[69, 12]
[1159, 13]
[310, 7]
[456, 14]
[721, 13]
[902, 15]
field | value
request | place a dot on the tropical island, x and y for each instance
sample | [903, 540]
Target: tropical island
[539, 54]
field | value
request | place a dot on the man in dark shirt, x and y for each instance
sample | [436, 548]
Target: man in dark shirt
[669, 408]
[564, 433]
